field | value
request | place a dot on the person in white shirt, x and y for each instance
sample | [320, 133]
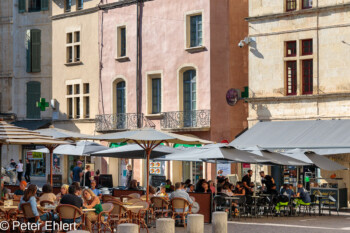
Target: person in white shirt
[19, 169]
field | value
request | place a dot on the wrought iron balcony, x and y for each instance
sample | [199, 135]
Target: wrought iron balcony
[186, 120]
[122, 121]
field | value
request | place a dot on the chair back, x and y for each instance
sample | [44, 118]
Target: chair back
[118, 208]
[179, 203]
[135, 195]
[43, 203]
[107, 207]
[128, 198]
[159, 202]
[313, 198]
[27, 210]
[106, 198]
[144, 204]
[219, 201]
[65, 211]
[16, 202]
[134, 200]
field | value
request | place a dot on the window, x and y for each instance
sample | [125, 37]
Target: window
[156, 95]
[33, 96]
[76, 89]
[77, 107]
[69, 89]
[33, 50]
[86, 88]
[67, 5]
[307, 73]
[291, 49]
[73, 47]
[70, 108]
[291, 77]
[196, 30]
[21, 6]
[121, 41]
[78, 102]
[291, 5]
[189, 98]
[121, 97]
[306, 46]
[80, 4]
[34, 5]
[87, 107]
[307, 4]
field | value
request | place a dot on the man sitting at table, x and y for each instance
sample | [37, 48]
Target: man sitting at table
[72, 198]
[302, 195]
[4, 192]
[180, 193]
[20, 192]
[96, 191]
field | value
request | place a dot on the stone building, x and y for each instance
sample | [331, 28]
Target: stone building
[298, 62]
[120, 65]
[25, 67]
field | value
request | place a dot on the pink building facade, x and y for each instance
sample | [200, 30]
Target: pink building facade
[173, 73]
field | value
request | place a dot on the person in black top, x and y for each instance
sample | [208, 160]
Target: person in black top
[28, 170]
[247, 181]
[267, 180]
[88, 176]
[205, 187]
[199, 188]
[72, 197]
[129, 175]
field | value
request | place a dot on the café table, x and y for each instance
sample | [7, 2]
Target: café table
[319, 199]
[230, 199]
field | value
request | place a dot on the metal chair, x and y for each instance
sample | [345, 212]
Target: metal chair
[160, 206]
[118, 215]
[103, 219]
[70, 213]
[29, 216]
[139, 215]
[331, 203]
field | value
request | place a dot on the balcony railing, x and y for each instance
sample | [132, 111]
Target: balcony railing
[199, 119]
[122, 121]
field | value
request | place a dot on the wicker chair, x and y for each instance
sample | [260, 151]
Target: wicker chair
[106, 198]
[119, 214]
[135, 195]
[181, 203]
[160, 206]
[135, 200]
[139, 214]
[128, 198]
[30, 217]
[70, 212]
[104, 217]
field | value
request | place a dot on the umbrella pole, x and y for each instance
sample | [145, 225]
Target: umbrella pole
[148, 151]
[51, 164]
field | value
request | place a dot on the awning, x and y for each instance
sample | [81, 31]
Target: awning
[32, 124]
[332, 135]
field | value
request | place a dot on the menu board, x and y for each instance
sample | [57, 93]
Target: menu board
[155, 168]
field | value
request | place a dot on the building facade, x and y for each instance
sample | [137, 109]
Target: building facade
[149, 65]
[298, 64]
[25, 68]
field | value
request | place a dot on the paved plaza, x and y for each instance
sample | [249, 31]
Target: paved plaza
[307, 224]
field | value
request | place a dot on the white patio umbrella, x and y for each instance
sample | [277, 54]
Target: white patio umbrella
[149, 139]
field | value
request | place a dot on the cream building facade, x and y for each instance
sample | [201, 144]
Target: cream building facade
[298, 66]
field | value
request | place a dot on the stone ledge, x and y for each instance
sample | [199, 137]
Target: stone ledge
[196, 49]
[74, 63]
[122, 59]
[188, 129]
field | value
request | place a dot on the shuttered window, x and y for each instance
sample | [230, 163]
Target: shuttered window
[21, 6]
[34, 5]
[33, 96]
[196, 30]
[44, 5]
[156, 95]
[33, 47]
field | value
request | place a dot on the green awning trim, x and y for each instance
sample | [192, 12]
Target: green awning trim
[187, 145]
[114, 145]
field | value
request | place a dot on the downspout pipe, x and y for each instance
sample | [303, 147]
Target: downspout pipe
[138, 112]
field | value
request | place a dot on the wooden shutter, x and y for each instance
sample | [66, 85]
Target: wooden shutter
[28, 51]
[21, 6]
[44, 5]
[35, 36]
[33, 96]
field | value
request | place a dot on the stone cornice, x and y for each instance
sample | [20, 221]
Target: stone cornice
[298, 97]
[107, 6]
[298, 12]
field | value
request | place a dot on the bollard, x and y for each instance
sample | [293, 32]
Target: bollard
[128, 228]
[165, 225]
[195, 223]
[219, 223]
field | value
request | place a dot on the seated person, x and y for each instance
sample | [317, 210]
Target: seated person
[226, 190]
[47, 195]
[199, 187]
[96, 191]
[133, 185]
[211, 186]
[162, 192]
[284, 198]
[91, 201]
[240, 190]
[273, 190]
[72, 198]
[287, 191]
[168, 185]
[303, 196]
[179, 193]
[190, 188]
[29, 197]
[20, 192]
[152, 191]
[4, 192]
[63, 191]
[205, 187]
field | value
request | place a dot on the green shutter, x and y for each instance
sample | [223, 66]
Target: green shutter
[21, 6]
[33, 96]
[44, 5]
[28, 51]
[36, 49]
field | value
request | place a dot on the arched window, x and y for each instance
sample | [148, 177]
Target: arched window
[33, 96]
[121, 97]
[189, 97]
